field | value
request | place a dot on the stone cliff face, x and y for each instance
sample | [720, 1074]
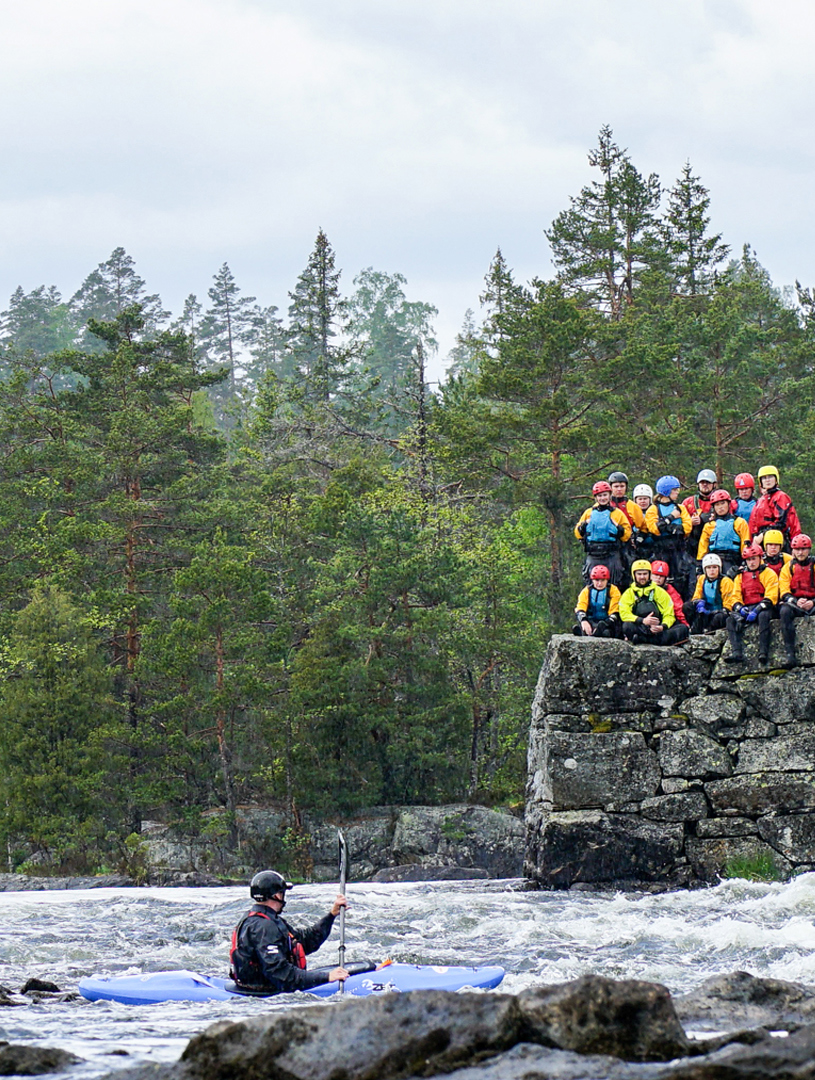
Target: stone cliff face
[668, 765]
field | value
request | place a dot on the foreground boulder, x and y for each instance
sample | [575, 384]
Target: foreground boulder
[33, 1060]
[630, 1019]
[592, 1028]
[747, 1002]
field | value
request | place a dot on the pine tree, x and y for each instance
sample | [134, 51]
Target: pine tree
[108, 290]
[464, 357]
[602, 244]
[226, 331]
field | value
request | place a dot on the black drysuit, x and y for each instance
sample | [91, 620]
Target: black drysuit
[264, 952]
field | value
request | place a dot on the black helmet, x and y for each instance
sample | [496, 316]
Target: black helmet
[618, 478]
[268, 883]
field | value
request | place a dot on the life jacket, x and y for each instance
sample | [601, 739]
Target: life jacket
[712, 592]
[771, 511]
[776, 564]
[743, 508]
[248, 971]
[645, 604]
[600, 528]
[802, 579]
[621, 504]
[599, 600]
[752, 588]
[724, 536]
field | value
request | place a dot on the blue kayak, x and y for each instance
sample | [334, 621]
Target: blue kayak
[161, 986]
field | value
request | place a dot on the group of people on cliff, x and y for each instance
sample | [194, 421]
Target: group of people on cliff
[657, 569]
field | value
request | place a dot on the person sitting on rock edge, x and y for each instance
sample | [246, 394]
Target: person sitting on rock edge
[670, 525]
[711, 602]
[774, 558]
[797, 589]
[659, 575]
[597, 607]
[267, 955]
[755, 594]
[603, 530]
[646, 610]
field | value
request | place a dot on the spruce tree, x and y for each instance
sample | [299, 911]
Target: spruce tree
[316, 315]
[694, 254]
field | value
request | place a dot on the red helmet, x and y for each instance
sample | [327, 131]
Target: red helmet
[744, 479]
[801, 541]
[719, 495]
[600, 487]
[751, 550]
[659, 567]
[598, 572]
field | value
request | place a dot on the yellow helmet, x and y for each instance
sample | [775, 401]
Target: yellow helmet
[768, 470]
[773, 536]
[640, 564]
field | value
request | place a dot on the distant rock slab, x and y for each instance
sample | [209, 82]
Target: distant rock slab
[419, 872]
[27, 883]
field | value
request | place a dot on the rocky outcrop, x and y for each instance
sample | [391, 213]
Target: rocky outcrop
[33, 1060]
[667, 767]
[587, 1029]
[400, 843]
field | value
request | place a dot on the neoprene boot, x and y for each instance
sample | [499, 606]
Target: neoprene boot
[791, 660]
[736, 649]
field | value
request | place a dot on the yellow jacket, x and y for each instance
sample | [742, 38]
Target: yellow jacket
[785, 578]
[726, 591]
[582, 605]
[739, 524]
[652, 519]
[652, 592]
[617, 516]
[767, 578]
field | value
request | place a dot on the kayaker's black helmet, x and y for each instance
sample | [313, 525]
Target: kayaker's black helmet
[268, 883]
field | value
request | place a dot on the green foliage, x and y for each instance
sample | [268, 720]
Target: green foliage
[759, 867]
[58, 753]
[345, 603]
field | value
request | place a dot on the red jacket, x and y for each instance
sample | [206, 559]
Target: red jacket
[677, 602]
[774, 510]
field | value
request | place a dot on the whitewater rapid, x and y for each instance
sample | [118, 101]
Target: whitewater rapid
[677, 939]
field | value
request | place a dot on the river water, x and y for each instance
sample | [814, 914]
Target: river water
[676, 938]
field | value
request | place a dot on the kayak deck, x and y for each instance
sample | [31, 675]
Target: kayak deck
[161, 986]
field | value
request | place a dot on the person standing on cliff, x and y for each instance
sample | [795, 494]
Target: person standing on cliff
[268, 956]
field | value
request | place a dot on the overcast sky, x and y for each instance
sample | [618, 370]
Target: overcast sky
[420, 134]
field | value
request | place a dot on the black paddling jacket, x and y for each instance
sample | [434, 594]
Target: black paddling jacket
[268, 954]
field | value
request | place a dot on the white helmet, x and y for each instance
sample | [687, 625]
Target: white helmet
[711, 559]
[707, 474]
[643, 489]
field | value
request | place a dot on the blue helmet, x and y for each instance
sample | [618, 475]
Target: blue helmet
[666, 484]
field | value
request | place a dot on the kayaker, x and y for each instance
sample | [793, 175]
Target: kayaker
[269, 956]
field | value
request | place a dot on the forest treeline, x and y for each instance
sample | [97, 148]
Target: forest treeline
[249, 558]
